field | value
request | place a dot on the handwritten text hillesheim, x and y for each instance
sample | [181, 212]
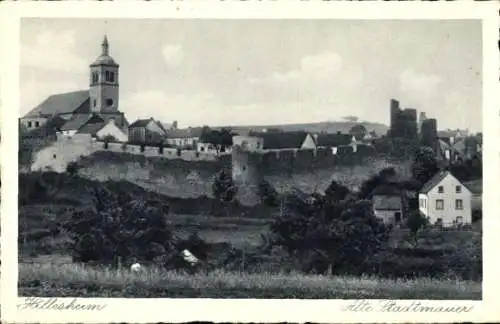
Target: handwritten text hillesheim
[37, 303]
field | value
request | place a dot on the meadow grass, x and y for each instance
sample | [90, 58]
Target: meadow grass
[83, 281]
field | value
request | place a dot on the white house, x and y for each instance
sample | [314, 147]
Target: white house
[444, 199]
[111, 129]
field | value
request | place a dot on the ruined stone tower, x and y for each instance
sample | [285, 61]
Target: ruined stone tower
[246, 174]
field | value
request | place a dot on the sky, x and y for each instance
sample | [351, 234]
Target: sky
[261, 72]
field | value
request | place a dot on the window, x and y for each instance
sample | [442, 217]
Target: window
[440, 189]
[37, 124]
[29, 124]
[459, 204]
[112, 76]
[460, 220]
[439, 204]
[458, 189]
[95, 102]
[109, 102]
[107, 76]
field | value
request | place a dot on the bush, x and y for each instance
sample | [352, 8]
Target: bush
[223, 187]
[268, 195]
[119, 228]
[340, 236]
[72, 168]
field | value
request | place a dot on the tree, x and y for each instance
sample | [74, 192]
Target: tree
[72, 168]
[341, 235]
[385, 176]
[110, 139]
[415, 222]
[425, 164]
[359, 131]
[219, 139]
[336, 192]
[268, 194]
[117, 228]
[223, 187]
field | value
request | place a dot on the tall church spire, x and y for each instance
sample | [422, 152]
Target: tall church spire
[105, 45]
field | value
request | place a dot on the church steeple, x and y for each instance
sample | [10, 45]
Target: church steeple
[104, 87]
[105, 46]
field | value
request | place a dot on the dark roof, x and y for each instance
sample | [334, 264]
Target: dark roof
[104, 59]
[62, 103]
[333, 140]
[437, 178]
[387, 203]
[281, 140]
[79, 121]
[184, 133]
[141, 122]
[386, 190]
[91, 128]
[75, 122]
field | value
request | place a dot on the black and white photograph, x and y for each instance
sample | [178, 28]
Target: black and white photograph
[297, 159]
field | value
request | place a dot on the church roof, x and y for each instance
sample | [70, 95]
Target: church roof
[63, 103]
[104, 60]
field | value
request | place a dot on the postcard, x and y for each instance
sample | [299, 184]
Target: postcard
[249, 162]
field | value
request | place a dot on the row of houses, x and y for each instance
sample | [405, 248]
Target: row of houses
[150, 132]
[456, 145]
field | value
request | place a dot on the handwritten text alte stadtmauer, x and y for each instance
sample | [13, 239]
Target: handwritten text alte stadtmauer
[36, 303]
[393, 306]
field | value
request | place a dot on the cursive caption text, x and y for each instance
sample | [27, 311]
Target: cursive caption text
[57, 304]
[363, 305]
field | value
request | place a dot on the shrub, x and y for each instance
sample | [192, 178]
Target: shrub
[72, 168]
[268, 195]
[223, 187]
[119, 228]
[341, 235]
[415, 222]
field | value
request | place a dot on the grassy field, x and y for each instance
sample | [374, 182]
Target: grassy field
[68, 280]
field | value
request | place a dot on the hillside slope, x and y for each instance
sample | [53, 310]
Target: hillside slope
[326, 127]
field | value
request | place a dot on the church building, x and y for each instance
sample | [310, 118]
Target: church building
[74, 110]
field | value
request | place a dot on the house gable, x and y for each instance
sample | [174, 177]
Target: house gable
[153, 126]
[308, 143]
[447, 181]
[110, 128]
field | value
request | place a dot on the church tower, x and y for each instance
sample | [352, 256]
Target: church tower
[104, 88]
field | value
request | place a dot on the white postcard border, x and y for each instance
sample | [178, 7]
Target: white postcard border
[253, 310]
